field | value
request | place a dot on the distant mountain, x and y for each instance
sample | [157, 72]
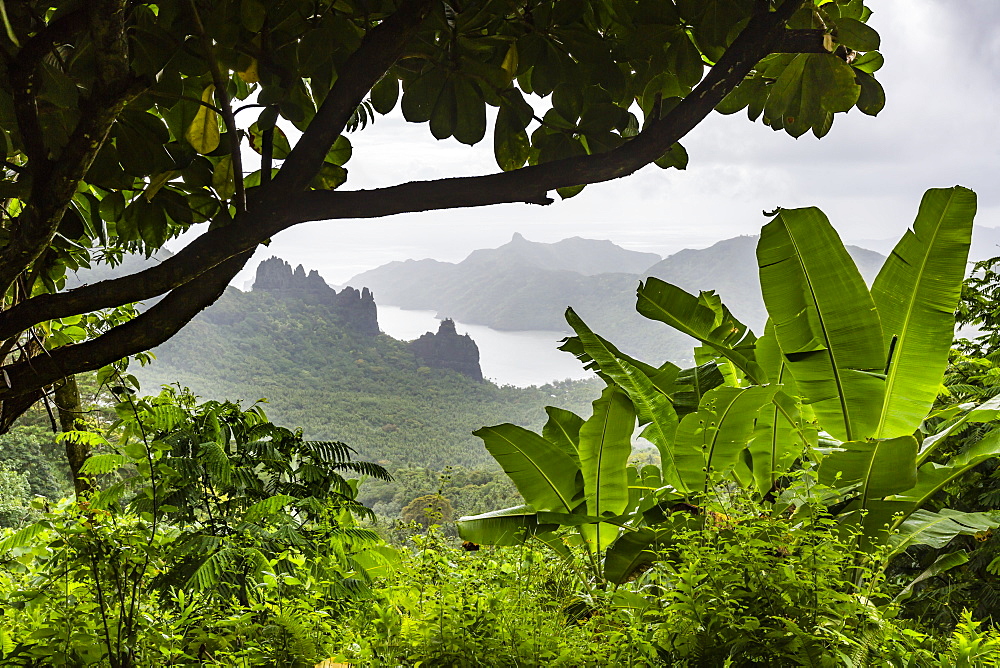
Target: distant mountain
[510, 288]
[582, 256]
[497, 287]
[317, 356]
[354, 309]
[730, 268]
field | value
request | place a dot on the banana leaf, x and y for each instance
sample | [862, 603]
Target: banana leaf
[985, 412]
[692, 384]
[510, 526]
[932, 477]
[700, 318]
[652, 407]
[642, 483]
[711, 439]
[942, 564]
[873, 523]
[882, 467]
[545, 475]
[563, 430]
[781, 434]
[662, 377]
[916, 294]
[605, 446]
[632, 552]
[780, 437]
[937, 529]
[824, 320]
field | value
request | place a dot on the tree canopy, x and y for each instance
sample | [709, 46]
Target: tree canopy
[123, 125]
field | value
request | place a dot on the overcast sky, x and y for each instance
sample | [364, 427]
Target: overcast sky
[939, 128]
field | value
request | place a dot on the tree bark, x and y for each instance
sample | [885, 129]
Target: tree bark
[67, 399]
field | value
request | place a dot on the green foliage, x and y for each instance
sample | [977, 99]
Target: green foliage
[172, 142]
[447, 606]
[744, 589]
[868, 394]
[368, 391]
[755, 590]
[937, 594]
[427, 510]
[218, 538]
[15, 508]
[32, 451]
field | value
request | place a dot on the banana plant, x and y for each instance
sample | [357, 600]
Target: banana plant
[859, 368]
[866, 365]
[574, 474]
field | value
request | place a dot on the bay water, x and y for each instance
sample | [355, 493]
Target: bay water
[520, 358]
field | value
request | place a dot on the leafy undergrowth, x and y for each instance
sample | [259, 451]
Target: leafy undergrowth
[216, 538]
[753, 592]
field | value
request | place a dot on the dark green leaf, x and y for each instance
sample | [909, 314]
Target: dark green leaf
[385, 94]
[676, 157]
[856, 35]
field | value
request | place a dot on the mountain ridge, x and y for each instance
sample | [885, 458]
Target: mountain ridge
[395, 402]
[507, 289]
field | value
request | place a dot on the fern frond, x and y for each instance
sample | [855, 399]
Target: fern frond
[268, 507]
[216, 461]
[362, 116]
[23, 537]
[367, 469]
[103, 464]
[211, 571]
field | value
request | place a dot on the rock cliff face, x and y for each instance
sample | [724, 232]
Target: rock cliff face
[356, 308]
[448, 350]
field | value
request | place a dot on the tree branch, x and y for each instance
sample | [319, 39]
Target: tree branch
[271, 212]
[23, 71]
[199, 256]
[762, 36]
[53, 183]
[146, 331]
[228, 118]
[380, 48]
[54, 187]
[804, 40]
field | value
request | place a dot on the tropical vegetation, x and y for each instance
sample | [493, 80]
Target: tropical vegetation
[833, 411]
[823, 492]
[820, 495]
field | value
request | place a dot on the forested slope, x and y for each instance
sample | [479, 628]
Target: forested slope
[335, 383]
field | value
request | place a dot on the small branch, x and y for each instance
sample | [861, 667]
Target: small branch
[532, 184]
[808, 40]
[19, 169]
[15, 407]
[146, 331]
[53, 186]
[222, 98]
[249, 106]
[381, 47]
[266, 155]
[23, 74]
[53, 183]
[156, 93]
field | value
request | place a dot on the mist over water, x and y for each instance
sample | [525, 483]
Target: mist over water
[520, 358]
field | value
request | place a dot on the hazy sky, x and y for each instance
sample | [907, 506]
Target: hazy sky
[939, 128]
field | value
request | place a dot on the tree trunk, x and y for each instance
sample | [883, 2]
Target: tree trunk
[67, 398]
